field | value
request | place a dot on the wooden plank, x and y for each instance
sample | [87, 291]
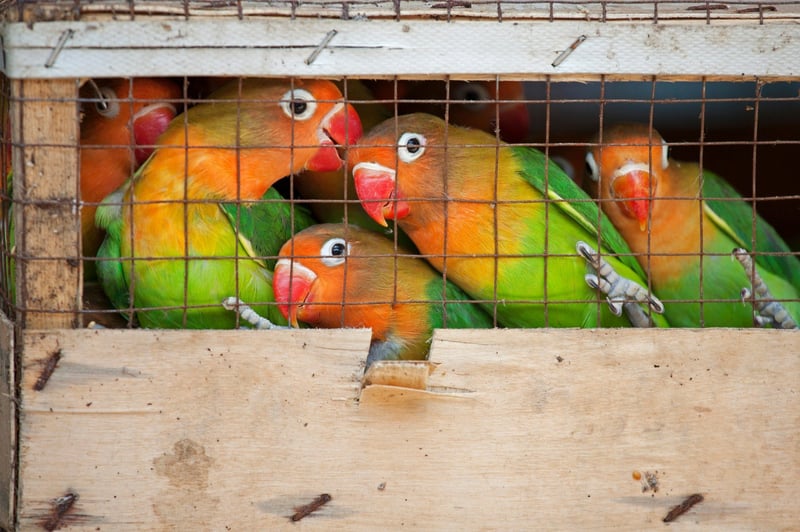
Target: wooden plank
[208, 430]
[8, 422]
[47, 232]
[509, 10]
[281, 46]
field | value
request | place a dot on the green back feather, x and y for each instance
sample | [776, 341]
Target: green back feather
[571, 199]
[266, 225]
[735, 218]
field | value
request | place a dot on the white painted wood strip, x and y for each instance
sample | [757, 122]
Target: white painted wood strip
[280, 47]
[203, 430]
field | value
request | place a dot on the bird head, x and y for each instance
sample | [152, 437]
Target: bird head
[626, 169]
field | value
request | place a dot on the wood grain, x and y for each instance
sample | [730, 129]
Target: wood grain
[47, 231]
[515, 430]
[8, 422]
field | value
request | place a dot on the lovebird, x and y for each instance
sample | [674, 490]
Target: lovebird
[655, 203]
[198, 198]
[120, 122]
[332, 195]
[480, 213]
[486, 105]
[336, 275]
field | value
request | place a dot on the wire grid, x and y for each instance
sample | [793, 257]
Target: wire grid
[592, 10]
[743, 130]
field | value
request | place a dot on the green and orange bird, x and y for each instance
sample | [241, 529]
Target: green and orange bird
[478, 211]
[671, 213]
[178, 242]
[335, 275]
[120, 122]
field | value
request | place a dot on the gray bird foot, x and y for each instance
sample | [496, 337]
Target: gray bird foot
[621, 293]
[249, 315]
[768, 311]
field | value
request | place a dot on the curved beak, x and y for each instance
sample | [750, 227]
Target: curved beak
[634, 184]
[515, 122]
[292, 283]
[148, 124]
[341, 126]
[376, 187]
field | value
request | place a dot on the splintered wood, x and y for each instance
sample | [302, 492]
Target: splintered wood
[207, 430]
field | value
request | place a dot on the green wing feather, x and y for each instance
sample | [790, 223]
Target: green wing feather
[574, 201]
[110, 273]
[735, 219]
[461, 314]
[265, 226]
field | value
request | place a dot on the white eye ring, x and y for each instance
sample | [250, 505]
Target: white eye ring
[334, 251]
[476, 94]
[108, 105]
[591, 167]
[410, 147]
[298, 104]
[664, 154]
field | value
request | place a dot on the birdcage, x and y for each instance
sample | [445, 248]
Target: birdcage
[110, 421]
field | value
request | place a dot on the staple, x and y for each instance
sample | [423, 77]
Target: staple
[707, 6]
[62, 40]
[452, 3]
[327, 39]
[307, 509]
[61, 506]
[47, 371]
[759, 9]
[683, 507]
[563, 55]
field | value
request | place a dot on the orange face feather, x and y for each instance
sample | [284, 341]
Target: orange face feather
[121, 120]
[627, 169]
[332, 275]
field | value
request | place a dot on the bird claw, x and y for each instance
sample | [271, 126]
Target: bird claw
[768, 312]
[621, 292]
[249, 315]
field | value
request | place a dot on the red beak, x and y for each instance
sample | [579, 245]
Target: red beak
[634, 188]
[342, 127]
[377, 190]
[515, 122]
[148, 124]
[292, 283]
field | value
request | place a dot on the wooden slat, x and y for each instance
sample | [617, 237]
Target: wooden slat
[509, 10]
[47, 232]
[157, 430]
[280, 46]
[8, 422]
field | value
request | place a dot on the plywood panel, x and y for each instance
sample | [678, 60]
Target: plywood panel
[513, 430]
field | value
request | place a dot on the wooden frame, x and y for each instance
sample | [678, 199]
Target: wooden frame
[511, 429]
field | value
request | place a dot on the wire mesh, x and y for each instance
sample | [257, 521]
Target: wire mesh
[743, 130]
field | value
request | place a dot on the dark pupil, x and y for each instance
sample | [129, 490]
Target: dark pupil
[472, 96]
[299, 107]
[412, 145]
[337, 249]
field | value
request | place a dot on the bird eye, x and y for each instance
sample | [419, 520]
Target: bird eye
[107, 104]
[298, 104]
[664, 154]
[476, 94]
[410, 147]
[591, 167]
[334, 251]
